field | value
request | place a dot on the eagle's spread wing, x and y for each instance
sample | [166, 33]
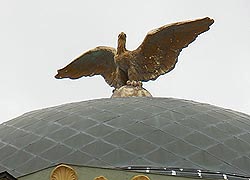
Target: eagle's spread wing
[98, 61]
[159, 51]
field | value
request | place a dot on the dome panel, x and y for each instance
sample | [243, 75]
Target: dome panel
[127, 132]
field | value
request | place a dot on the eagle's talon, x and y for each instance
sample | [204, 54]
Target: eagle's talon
[129, 83]
[134, 83]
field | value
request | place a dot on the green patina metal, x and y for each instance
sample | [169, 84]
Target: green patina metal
[128, 132]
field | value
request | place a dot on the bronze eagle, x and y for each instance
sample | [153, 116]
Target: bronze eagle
[156, 56]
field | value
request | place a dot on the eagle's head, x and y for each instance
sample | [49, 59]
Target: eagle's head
[121, 48]
[122, 36]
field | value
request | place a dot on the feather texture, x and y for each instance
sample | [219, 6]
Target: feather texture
[156, 56]
[160, 49]
[98, 61]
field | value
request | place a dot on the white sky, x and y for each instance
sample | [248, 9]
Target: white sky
[37, 37]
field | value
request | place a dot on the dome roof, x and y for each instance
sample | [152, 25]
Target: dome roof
[128, 132]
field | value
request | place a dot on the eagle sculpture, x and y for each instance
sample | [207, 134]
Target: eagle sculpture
[156, 56]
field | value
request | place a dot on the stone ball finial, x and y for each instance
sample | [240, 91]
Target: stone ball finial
[131, 91]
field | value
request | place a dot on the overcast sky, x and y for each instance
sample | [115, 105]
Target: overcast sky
[37, 37]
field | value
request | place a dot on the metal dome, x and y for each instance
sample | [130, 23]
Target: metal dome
[128, 132]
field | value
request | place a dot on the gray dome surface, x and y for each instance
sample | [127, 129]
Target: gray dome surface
[121, 132]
